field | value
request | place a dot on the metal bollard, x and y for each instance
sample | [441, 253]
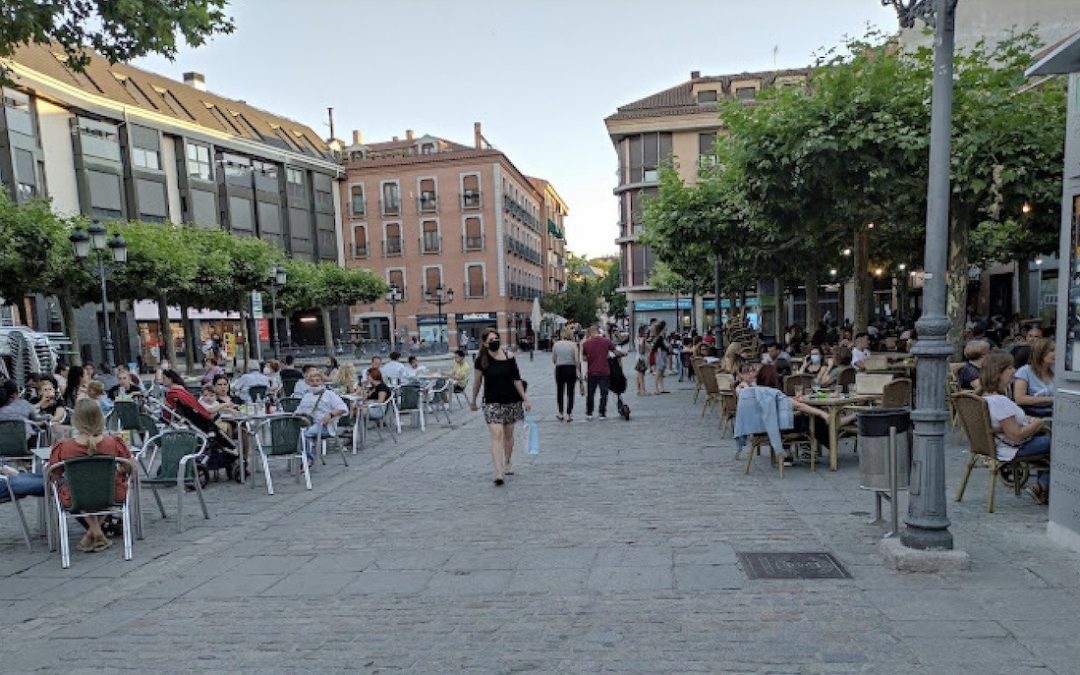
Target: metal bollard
[894, 481]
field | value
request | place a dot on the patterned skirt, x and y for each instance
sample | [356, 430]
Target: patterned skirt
[503, 413]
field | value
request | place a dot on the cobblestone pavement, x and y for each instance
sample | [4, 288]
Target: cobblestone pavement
[614, 550]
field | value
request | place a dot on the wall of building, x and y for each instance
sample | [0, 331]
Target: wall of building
[992, 20]
[54, 124]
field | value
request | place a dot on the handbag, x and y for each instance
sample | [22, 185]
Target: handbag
[581, 386]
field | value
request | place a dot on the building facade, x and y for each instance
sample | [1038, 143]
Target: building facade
[678, 126]
[553, 211]
[424, 212]
[117, 142]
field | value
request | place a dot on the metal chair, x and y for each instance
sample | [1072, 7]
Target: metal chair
[462, 397]
[379, 421]
[175, 454]
[285, 440]
[257, 392]
[974, 414]
[290, 404]
[91, 483]
[438, 397]
[6, 492]
[125, 417]
[288, 384]
[407, 399]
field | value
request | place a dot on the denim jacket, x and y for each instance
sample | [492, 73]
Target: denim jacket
[763, 410]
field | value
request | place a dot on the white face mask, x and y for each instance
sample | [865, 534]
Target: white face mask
[267, 370]
[317, 389]
[815, 358]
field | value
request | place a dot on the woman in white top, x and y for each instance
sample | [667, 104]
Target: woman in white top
[567, 359]
[1034, 386]
[1017, 435]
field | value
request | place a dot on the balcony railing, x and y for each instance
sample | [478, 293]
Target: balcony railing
[357, 207]
[472, 243]
[431, 242]
[470, 199]
[360, 251]
[392, 247]
[428, 202]
[391, 208]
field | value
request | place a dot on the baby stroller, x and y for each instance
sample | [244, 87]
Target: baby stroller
[617, 385]
[221, 451]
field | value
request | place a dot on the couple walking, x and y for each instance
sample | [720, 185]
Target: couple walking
[568, 357]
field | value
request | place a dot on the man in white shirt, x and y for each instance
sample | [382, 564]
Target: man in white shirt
[861, 351]
[302, 386]
[323, 405]
[394, 369]
[252, 378]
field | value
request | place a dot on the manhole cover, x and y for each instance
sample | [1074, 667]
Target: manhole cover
[792, 566]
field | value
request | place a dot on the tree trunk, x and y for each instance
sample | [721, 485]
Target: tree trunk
[246, 327]
[718, 289]
[18, 313]
[165, 326]
[328, 331]
[1023, 282]
[957, 279]
[742, 302]
[67, 311]
[903, 300]
[864, 289]
[189, 339]
[813, 304]
[780, 317]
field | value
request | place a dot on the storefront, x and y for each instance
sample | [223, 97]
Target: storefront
[206, 324]
[470, 326]
[663, 310]
[1064, 526]
[432, 329]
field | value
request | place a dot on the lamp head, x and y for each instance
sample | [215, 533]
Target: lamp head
[118, 248]
[80, 240]
[98, 234]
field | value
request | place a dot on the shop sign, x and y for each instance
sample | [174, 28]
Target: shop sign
[431, 320]
[256, 305]
[475, 317]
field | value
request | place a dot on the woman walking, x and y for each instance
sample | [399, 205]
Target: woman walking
[663, 354]
[567, 360]
[505, 399]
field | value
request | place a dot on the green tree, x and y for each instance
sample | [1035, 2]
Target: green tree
[608, 289]
[121, 30]
[335, 286]
[577, 302]
[28, 235]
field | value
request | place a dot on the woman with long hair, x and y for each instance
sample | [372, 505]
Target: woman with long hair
[662, 352]
[345, 380]
[1033, 388]
[505, 399]
[567, 359]
[90, 440]
[75, 387]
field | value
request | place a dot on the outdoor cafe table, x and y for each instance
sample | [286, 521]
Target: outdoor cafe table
[834, 404]
[245, 424]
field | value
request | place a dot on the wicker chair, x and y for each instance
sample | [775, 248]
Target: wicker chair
[952, 386]
[797, 383]
[707, 378]
[846, 378]
[729, 402]
[974, 416]
[696, 365]
[896, 394]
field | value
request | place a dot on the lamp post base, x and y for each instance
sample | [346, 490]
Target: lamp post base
[896, 556]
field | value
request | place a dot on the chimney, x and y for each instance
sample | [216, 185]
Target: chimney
[395, 139]
[695, 74]
[193, 79]
[478, 137]
[357, 137]
[408, 134]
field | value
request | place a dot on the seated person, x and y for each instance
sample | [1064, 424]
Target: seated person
[1033, 389]
[394, 369]
[813, 364]
[209, 399]
[14, 407]
[322, 405]
[345, 379]
[378, 392]
[861, 351]
[22, 484]
[747, 377]
[968, 375]
[49, 404]
[302, 386]
[767, 376]
[376, 367]
[229, 403]
[179, 399]
[95, 391]
[126, 386]
[254, 377]
[413, 370]
[460, 371]
[841, 359]
[1017, 435]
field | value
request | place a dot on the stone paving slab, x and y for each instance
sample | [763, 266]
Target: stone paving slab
[612, 551]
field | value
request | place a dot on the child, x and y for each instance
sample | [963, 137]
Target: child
[95, 389]
[747, 377]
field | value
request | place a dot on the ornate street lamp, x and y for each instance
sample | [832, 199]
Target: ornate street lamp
[96, 238]
[926, 524]
[393, 297]
[440, 296]
[276, 282]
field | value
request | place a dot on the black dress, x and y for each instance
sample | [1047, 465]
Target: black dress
[502, 403]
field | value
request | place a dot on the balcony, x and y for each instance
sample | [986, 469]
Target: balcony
[392, 247]
[472, 243]
[428, 202]
[360, 251]
[430, 243]
[470, 199]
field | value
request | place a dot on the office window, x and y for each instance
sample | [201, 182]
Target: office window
[360, 242]
[153, 206]
[198, 162]
[266, 177]
[356, 200]
[706, 96]
[237, 170]
[474, 281]
[241, 216]
[391, 199]
[99, 139]
[145, 147]
[106, 195]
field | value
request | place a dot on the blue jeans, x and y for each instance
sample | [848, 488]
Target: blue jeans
[24, 485]
[313, 432]
[1039, 445]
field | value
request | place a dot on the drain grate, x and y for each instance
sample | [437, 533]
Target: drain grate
[803, 565]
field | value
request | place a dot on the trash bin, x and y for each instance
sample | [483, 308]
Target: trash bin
[874, 468]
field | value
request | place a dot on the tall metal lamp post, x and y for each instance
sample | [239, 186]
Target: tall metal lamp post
[440, 296]
[95, 238]
[927, 524]
[393, 297]
[275, 283]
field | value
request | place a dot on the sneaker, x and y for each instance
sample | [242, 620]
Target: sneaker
[602, 417]
[559, 417]
[589, 418]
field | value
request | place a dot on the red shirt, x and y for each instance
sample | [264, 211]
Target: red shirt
[595, 350]
[69, 448]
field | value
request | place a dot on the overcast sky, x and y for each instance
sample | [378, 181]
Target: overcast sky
[540, 75]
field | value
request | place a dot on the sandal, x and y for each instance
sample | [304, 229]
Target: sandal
[87, 547]
[102, 545]
[1039, 494]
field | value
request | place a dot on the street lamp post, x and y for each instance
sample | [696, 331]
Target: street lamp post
[95, 238]
[274, 283]
[927, 524]
[440, 296]
[393, 297]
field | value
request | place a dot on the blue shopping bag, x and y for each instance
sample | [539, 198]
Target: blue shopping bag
[534, 435]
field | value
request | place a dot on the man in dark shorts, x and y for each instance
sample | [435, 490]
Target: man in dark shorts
[594, 351]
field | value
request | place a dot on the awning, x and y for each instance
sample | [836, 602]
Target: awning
[555, 229]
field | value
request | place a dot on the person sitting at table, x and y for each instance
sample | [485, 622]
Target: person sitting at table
[413, 370]
[252, 378]
[290, 372]
[228, 402]
[345, 380]
[813, 363]
[212, 370]
[378, 392]
[861, 351]
[1017, 434]
[14, 407]
[777, 357]
[768, 376]
[747, 376]
[968, 375]
[209, 400]
[272, 371]
[178, 398]
[376, 367]
[95, 391]
[90, 440]
[841, 359]
[394, 369]
[459, 372]
[1034, 388]
[49, 404]
[733, 359]
[126, 387]
[323, 405]
[75, 388]
[302, 386]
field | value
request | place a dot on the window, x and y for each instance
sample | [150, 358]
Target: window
[746, 93]
[17, 112]
[428, 199]
[241, 217]
[474, 234]
[356, 200]
[706, 96]
[360, 245]
[392, 242]
[25, 175]
[266, 177]
[198, 162]
[397, 278]
[153, 204]
[429, 237]
[237, 169]
[647, 151]
[707, 149]
[391, 199]
[470, 191]
[106, 195]
[145, 147]
[432, 279]
[99, 139]
[474, 281]
[427, 149]
[294, 184]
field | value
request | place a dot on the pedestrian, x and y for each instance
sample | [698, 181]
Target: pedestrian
[505, 399]
[662, 354]
[567, 360]
[595, 351]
